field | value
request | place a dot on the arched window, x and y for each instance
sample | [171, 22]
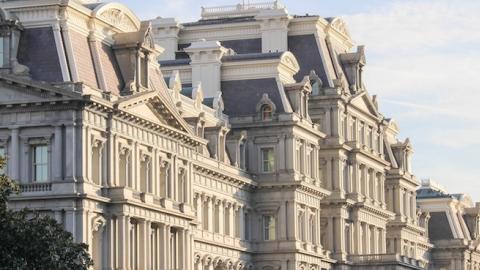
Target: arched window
[267, 112]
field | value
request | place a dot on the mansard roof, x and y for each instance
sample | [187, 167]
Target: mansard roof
[241, 96]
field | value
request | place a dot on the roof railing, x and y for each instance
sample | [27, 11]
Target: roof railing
[243, 9]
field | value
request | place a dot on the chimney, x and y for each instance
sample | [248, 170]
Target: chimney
[274, 29]
[166, 35]
[206, 63]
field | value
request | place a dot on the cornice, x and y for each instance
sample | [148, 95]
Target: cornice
[236, 180]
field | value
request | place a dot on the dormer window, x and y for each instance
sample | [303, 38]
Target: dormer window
[267, 112]
[135, 51]
[265, 108]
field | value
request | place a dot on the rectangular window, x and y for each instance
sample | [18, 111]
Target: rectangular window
[269, 228]
[2, 155]
[40, 163]
[268, 160]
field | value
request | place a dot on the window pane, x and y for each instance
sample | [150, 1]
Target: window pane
[268, 159]
[40, 163]
[269, 230]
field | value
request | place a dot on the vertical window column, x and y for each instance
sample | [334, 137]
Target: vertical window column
[269, 227]
[268, 160]
[40, 162]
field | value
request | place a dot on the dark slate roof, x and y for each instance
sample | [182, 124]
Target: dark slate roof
[38, 51]
[241, 46]
[241, 97]
[305, 49]
[438, 226]
[221, 21]
[177, 62]
[306, 16]
[208, 102]
[92, 6]
[427, 193]
[187, 91]
[252, 56]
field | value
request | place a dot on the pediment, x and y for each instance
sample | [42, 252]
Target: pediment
[155, 108]
[147, 111]
[364, 102]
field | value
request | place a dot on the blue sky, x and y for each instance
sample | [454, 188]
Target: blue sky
[423, 61]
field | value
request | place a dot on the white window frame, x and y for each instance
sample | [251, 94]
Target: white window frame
[267, 228]
[34, 163]
[272, 163]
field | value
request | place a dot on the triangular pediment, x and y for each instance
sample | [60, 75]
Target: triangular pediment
[16, 90]
[364, 102]
[156, 108]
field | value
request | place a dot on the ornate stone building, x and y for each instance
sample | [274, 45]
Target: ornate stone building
[244, 140]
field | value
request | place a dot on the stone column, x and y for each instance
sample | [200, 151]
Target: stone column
[72, 160]
[71, 222]
[359, 237]
[57, 154]
[123, 242]
[144, 245]
[14, 161]
[163, 245]
[112, 160]
[330, 234]
[221, 219]
[407, 206]
[210, 214]
[329, 175]
[111, 244]
[375, 246]
[382, 188]
[356, 178]
[413, 205]
[400, 201]
[241, 213]
[383, 246]
[366, 238]
[328, 122]
[181, 247]
[199, 202]
[339, 236]
[168, 251]
[231, 222]
[338, 175]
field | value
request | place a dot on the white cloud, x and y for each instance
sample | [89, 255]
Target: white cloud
[424, 62]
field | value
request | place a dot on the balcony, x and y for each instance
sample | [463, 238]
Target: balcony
[381, 259]
[35, 187]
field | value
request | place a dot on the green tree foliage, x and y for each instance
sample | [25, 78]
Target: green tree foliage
[29, 240]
